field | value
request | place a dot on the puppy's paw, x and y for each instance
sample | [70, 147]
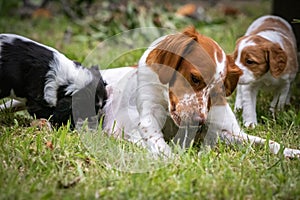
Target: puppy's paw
[238, 106]
[238, 109]
[250, 124]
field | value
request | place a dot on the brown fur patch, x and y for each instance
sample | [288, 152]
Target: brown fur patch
[190, 46]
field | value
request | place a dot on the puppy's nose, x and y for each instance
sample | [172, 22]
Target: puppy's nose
[197, 119]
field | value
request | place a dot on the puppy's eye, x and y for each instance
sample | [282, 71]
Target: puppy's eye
[250, 62]
[195, 79]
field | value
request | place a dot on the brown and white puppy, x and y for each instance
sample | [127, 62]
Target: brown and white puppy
[181, 81]
[267, 55]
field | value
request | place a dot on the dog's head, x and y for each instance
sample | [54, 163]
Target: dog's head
[89, 100]
[256, 56]
[196, 69]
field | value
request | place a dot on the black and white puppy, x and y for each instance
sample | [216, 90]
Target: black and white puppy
[47, 83]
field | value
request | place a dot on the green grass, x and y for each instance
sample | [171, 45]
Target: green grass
[65, 164]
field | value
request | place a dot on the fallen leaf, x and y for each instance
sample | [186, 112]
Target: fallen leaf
[49, 145]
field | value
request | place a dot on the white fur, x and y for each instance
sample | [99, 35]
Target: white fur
[63, 72]
[247, 76]
[16, 105]
[274, 37]
[220, 67]
[115, 74]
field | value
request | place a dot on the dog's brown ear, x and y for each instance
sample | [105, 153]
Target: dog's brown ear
[277, 60]
[166, 57]
[232, 76]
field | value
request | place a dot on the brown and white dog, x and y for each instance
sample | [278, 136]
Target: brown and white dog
[267, 55]
[182, 80]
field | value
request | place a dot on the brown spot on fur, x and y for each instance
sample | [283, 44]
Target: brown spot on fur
[184, 51]
[168, 54]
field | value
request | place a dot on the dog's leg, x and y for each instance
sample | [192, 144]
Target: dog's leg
[274, 103]
[13, 105]
[281, 96]
[288, 98]
[240, 138]
[239, 98]
[134, 111]
[223, 123]
[152, 107]
[249, 105]
[220, 117]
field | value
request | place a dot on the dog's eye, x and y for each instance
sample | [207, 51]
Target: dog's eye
[195, 79]
[250, 62]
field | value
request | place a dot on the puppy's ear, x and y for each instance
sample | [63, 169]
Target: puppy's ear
[232, 76]
[277, 60]
[166, 57]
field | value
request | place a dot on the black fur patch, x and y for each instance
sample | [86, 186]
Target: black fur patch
[23, 66]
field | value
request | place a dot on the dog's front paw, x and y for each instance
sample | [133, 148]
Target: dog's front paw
[272, 110]
[161, 149]
[238, 108]
[250, 124]
[291, 153]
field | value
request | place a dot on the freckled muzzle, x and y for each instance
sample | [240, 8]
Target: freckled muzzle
[189, 114]
[190, 110]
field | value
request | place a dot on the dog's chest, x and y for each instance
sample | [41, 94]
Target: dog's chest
[268, 82]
